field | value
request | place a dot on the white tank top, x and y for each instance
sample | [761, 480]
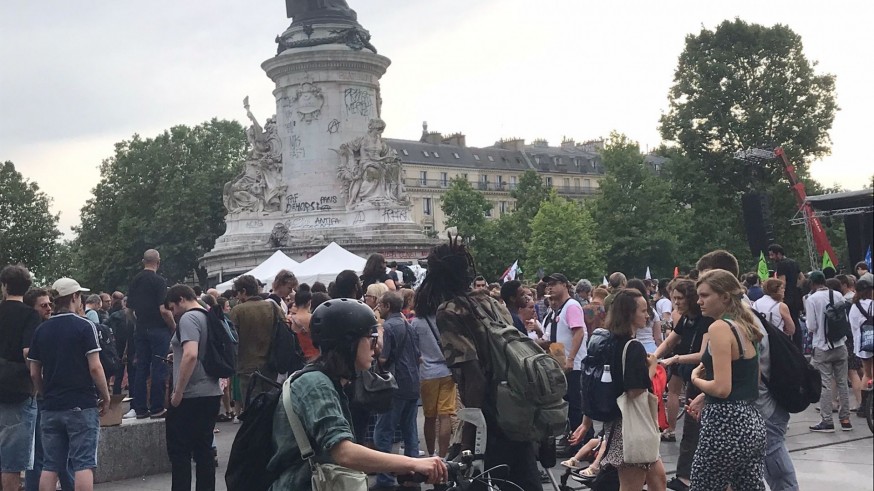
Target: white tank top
[644, 335]
[770, 308]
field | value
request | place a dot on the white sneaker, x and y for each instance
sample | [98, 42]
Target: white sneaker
[237, 420]
[130, 414]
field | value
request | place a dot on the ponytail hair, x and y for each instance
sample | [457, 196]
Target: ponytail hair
[724, 283]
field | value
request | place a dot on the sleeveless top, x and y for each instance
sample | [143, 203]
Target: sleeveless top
[645, 336]
[744, 373]
[770, 308]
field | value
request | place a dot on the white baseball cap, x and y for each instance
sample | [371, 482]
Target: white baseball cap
[68, 286]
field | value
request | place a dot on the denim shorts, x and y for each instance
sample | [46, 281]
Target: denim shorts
[72, 434]
[17, 424]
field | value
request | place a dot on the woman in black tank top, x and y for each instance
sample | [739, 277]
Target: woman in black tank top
[731, 448]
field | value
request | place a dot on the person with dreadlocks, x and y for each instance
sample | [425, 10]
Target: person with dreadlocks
[446, 293]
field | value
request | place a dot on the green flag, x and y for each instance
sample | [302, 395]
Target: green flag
[827, 262]
[763, 267]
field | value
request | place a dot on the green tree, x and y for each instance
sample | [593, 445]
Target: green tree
[164, 193]
[635, 214]
[739, 86]
[747, 85]
[465, 207]
[28, 230]
[563, 239]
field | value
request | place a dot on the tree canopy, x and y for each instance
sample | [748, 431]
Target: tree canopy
[465, 208]
[164, 193]
[563, 240]
[28, 229]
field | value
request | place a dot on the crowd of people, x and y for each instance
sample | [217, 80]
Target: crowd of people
[698, 342]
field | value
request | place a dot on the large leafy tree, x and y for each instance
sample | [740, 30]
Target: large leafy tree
[637, 219]
[499, 242]
[747, 85]
[28, 229]
[465, 207]
[563, 240]
[164, 193]
[744, 86]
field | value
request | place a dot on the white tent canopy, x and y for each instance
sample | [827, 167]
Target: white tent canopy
[327, 263]
[267, 270]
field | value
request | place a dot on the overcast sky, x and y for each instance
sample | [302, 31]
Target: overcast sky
[76, 77]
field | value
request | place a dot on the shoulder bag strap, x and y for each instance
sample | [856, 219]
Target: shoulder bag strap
[400, 345]
[300, 435]
[624, 353]
[433, 329]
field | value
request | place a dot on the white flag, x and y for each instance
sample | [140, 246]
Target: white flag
[605, 281]
[510, 273]
[648, 275]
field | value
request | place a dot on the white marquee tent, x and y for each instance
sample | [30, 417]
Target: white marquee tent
[327, 263]
[267, 270]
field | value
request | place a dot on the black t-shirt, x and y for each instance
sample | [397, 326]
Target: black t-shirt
[369, 280]
[637, 375]
[691, 333]
[789, 268]
[62, 345]
[17, 325]
[147, 293]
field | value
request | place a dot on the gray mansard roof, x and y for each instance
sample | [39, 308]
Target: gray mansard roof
[537, 158]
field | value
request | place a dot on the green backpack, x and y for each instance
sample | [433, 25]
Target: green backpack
[526, 385]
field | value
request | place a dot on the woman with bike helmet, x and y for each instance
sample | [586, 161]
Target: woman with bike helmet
[345, 332]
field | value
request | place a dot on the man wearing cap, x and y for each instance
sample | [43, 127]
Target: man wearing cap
[154, 324]
[830, 358]
[17, 404]
[65, 368]
[566, 326]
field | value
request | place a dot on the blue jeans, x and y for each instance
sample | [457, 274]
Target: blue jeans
[779, 470]
[31, 477]
[17, 423]
[69, 439]
[150, 342]
[403, 413]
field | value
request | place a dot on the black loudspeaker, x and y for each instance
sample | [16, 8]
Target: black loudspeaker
[860, 230]
[757, 221]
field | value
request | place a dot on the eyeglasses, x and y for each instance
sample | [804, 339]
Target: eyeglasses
[374, 340]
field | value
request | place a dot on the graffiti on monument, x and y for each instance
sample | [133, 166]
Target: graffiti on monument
[357, 101]
[334, 126]
[394, 215]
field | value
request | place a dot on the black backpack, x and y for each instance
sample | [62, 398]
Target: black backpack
[599, 397]
[220, 358]
[285, 354]
[108, 352]
[837, 325]
[794, 383]
[253, 444]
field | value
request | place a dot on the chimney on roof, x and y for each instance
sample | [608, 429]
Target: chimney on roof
[424, 131]
[456, 139]
[514, 144]
[567, 143]
[540, 142]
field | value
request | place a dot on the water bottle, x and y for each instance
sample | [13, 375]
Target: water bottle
[606, 377]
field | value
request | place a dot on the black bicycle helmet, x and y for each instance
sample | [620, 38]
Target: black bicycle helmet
[341, 321]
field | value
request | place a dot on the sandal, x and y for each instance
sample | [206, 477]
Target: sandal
[572, 463]
[586, 475]
[668, 436]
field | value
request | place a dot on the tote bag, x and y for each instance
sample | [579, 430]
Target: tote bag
[640, 427]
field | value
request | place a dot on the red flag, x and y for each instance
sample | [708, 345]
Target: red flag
[676, 271]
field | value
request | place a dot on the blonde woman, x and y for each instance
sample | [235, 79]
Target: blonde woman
[731, 447]
[772, 306]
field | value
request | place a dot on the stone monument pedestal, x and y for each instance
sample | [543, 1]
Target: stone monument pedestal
[319, 171]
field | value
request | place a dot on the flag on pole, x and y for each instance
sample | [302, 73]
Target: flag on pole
[510, 273]
[648, 276]
[827, 262]
[868, 258]
[676, 271]
[604, 281]
[763, 267]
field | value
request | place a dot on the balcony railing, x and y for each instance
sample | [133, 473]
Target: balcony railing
[494, 186]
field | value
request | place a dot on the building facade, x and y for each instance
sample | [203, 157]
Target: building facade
[573, 170]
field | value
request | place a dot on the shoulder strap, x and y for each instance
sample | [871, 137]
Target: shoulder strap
[624, 353]
[433, 329]
[740, 345]
[398, 347]
[300, 435]
[831, 297]
[864, 313]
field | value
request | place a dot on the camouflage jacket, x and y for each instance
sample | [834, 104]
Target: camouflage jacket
[462, 335]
